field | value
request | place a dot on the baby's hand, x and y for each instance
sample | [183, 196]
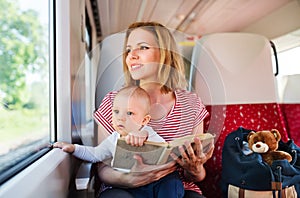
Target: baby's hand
[66, 147]
[136, 138]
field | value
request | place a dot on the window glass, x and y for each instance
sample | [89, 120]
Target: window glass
[24, 80]
[289, 61]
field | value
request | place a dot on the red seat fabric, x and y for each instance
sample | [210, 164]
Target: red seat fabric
[291, 113]
[224, 119]
[290, 105]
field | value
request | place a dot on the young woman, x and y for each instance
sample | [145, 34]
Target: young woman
[151, 60]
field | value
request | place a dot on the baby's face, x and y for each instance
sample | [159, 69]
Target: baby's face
[127, 114]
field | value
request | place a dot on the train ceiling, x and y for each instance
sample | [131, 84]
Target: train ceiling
[193, 17]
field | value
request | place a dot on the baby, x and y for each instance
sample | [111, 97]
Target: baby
[130, 115]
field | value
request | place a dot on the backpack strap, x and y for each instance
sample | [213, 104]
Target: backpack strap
[241, 193]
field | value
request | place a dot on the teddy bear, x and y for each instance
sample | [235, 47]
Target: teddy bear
[265, 142]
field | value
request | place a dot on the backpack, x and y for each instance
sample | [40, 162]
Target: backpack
[245, 174]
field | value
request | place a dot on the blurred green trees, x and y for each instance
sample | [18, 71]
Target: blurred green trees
[23, 50]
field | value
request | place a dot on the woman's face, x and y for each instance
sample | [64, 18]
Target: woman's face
[143, 56]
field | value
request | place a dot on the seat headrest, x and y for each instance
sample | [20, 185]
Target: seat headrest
[233, 68]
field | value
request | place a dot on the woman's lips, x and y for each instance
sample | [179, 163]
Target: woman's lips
[136, 66]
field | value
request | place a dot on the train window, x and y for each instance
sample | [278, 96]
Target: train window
[288, 61]
[288, 51]
[24, 84]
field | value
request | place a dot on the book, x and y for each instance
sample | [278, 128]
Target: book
[154, 153]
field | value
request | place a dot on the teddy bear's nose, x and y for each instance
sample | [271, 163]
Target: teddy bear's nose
[257, 145]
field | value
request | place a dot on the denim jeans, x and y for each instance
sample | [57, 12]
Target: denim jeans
[168, 186]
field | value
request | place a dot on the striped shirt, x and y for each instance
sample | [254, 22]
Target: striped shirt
[187, 113]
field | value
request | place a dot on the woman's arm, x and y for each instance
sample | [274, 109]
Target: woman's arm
[140, 175]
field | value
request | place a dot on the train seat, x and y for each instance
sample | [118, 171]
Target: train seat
[109, 77]
[233, 75]
[290, 106]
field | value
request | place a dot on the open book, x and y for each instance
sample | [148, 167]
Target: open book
[154, 153]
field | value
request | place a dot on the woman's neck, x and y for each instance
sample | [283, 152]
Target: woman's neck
[154, 91]
[161, 103]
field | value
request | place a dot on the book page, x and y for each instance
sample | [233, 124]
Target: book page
[206, 141]
[123, 158]
[205, 138]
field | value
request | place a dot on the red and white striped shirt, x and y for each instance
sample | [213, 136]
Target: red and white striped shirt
[187, 113]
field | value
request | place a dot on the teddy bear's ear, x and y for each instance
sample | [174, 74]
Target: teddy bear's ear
[250, 134]
[276, 134]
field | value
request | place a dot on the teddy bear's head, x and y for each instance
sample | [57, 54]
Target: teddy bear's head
[264, 141]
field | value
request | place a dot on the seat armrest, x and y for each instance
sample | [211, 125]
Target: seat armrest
[83, 176]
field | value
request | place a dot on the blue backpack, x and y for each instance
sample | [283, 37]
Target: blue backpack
[245, 171]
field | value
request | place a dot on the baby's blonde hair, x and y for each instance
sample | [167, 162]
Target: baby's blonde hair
[136, 92]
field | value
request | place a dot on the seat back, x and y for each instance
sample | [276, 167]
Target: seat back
[233, 75]
[291, 106]
[110, 74]
[110, 68]
[109, 77]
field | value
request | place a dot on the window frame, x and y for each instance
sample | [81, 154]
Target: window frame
[19, 165]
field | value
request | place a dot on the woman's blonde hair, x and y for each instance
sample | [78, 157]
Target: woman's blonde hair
[171, 72]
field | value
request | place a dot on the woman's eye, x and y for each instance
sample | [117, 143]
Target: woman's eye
[128, 51]
[116, 111]
[144, 47]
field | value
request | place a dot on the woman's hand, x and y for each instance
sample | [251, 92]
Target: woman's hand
[143, 174]
[140, 175]
[193, 158]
